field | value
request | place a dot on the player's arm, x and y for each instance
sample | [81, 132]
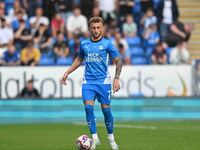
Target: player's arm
[116, 85]
[77, 62]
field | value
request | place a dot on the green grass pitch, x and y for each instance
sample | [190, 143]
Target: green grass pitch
[179, 135]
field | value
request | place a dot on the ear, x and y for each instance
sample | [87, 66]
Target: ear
[90, 28]
[103, 29]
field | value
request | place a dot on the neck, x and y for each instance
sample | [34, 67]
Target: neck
[96, 39]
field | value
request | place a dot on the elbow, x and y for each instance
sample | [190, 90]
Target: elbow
[118, 62]
[173, 28]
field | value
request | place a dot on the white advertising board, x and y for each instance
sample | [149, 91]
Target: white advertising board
[149, 81]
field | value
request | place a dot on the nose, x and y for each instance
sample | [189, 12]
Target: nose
[95, 29]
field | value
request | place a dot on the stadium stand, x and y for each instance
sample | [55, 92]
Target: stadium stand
[145, 26]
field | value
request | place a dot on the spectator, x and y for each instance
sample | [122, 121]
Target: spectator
[155, 6]
[2, 8]
[123, 47]
[30, 56]
[129, 27]
[86, 6]
[16, 24]
[108, 9]
[96, 12]
[148, 19]
[140, 8]
[6, 36]
[125, 8]
[50, 4]
[179, 55]
[75, 45]
[2, 12]
[61, 48]
[42, 39]
[178, 33]
[125, 57]
[77, 2]
[145, 5]
[167, 13]
[31, 6]
[2, 5]
[13, 12]
[11, 56]
[137, 12]
[77, 23]
[60, 37]
[57, 24]
[64, 8]
[38, 19]
[22, 35]
[111, 29]
[118, 39]
[29, 91]
[151, 36]
[159, 55]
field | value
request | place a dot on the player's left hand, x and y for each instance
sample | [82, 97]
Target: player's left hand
[116, 85]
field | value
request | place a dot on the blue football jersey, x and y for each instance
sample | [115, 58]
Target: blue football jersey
[96, 57]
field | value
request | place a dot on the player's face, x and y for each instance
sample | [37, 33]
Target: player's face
[96, 30]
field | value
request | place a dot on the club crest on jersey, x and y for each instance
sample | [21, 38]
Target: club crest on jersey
[100, 47]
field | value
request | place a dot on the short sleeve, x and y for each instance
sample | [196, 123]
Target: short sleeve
[81, 52]
[37, 55]
[36, 34]
[112, 50]
[23, 55]
[53, 23]
[32, 20]
[47, 34]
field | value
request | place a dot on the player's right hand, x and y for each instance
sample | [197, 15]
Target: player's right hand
[64, 78]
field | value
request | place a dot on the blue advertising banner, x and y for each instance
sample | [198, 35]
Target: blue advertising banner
[72, 110]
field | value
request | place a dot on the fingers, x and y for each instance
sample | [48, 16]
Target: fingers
[116, 86]
[63, 80]
[116, 89]
[64, 83]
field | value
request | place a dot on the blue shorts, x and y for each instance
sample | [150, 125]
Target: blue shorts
[100, 91]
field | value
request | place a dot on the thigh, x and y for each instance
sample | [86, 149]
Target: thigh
[88, 93]
[104, 93]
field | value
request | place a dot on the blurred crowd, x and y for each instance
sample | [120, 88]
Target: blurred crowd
[48, 32]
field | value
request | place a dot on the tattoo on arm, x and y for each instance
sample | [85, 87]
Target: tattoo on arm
[118, 70]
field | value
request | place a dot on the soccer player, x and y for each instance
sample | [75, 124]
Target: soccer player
[96, 51]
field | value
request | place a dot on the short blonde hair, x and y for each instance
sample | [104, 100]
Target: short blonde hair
[96, 20]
